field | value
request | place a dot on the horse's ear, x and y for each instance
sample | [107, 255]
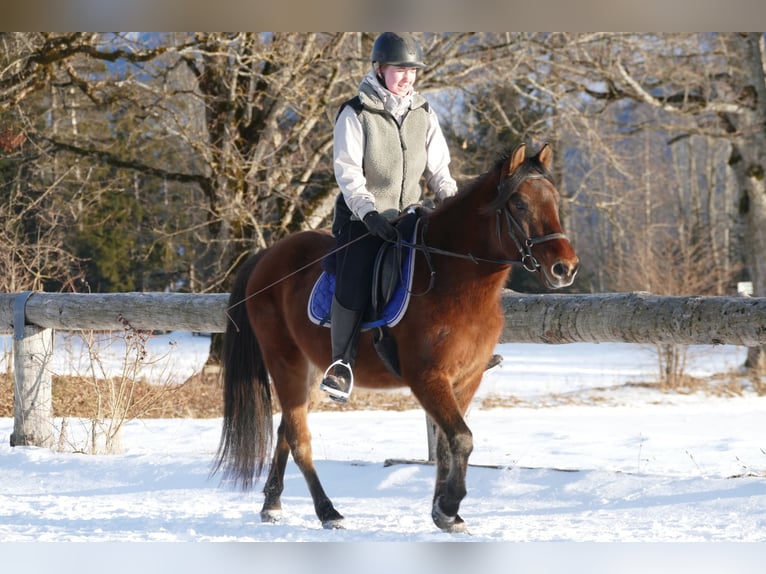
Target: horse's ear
[545, 155]
[516, 159]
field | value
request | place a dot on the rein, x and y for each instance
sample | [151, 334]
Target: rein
[528, 260]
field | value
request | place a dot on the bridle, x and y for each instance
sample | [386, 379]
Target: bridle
[528, 260]
[515, 230]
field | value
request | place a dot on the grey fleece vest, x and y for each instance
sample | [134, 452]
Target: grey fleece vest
[394, 156]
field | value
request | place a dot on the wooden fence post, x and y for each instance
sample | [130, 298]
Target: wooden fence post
[32, 401]
[431, 434]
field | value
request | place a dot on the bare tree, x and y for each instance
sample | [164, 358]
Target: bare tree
[234, 132]
[704, 95]
[237, 126]
[33, 246]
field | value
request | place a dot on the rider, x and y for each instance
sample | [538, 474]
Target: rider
[385, 140]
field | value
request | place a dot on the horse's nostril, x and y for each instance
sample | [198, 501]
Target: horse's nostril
[564, 270]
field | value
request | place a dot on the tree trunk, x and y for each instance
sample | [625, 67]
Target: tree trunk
[750, 169]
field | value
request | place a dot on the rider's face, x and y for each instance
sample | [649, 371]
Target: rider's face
[399, 79]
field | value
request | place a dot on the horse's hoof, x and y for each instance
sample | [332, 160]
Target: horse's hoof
[333, 524]
[458, 526]
[271, 516]
[451, 524]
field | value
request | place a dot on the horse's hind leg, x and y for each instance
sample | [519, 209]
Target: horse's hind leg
[290, 375]
[299, 437]
[272, 502]
[275, 483]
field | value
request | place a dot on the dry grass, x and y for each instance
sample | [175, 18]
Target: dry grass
[199, 397]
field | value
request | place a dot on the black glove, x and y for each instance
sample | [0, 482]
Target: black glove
[423, 210]
[380, 227]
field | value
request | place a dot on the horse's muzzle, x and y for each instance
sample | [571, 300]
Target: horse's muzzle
[561, 273]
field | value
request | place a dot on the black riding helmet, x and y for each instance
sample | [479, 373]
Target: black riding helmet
[397, 50]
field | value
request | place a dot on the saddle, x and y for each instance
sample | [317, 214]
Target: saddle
[391, 289]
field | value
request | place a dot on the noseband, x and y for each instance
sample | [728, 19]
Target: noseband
[515, 230]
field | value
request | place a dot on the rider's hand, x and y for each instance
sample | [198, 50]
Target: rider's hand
[380, 227]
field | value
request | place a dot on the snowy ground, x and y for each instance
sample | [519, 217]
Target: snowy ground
[585, 457]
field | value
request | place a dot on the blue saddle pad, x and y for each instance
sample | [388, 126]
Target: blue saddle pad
[320, 300]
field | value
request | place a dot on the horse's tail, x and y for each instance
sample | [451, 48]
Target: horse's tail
[246, 436]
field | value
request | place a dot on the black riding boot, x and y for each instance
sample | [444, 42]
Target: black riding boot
[344, 331]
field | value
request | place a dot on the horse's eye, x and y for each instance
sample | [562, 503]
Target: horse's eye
[519, 204]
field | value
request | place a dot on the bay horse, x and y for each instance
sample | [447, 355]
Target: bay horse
[508, 215]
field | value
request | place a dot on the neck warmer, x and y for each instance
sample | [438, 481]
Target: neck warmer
[397, 106]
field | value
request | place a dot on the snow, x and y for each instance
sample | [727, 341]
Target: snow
[584, 456]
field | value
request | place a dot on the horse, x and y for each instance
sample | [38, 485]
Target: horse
[508, 215]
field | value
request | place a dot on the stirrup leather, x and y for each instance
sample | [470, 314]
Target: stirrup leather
[338, 394]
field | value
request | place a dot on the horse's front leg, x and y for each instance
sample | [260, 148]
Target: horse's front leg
[452, 452]
[453, 447]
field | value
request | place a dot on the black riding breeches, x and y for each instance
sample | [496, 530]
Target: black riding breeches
[355, 265]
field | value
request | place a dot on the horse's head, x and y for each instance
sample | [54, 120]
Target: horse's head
[527, 208]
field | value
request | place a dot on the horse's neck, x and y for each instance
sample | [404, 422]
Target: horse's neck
[461, 225]
[462, 228]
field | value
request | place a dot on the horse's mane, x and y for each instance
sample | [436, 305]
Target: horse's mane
[531, 166]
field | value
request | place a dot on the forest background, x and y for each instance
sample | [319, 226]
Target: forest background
[158, 161]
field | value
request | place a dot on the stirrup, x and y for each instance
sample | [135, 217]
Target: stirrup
[335, 393]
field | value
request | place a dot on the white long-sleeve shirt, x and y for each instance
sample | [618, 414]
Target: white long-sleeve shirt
[349, 145]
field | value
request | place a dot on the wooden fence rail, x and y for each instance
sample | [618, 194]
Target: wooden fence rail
[115, 311]
[615, 317]
[606, 318]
